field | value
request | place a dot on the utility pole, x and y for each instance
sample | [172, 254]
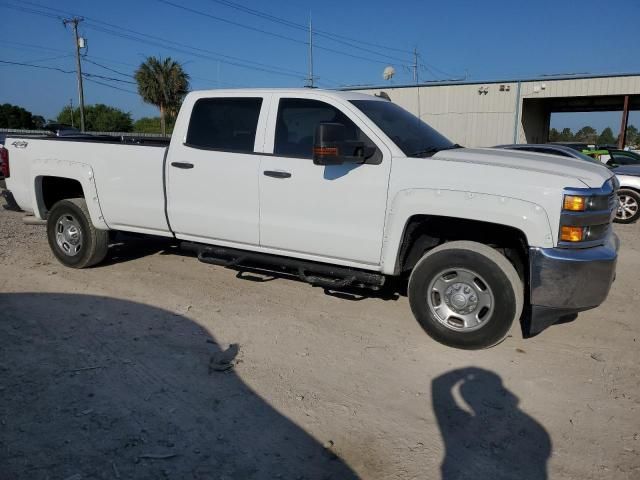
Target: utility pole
[74, 21]
[622, 138]
[71, 110]
[415, 79]
[310, 79]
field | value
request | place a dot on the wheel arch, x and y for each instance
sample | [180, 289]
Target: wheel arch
[433, 217]
[58, 180]
[425, 232]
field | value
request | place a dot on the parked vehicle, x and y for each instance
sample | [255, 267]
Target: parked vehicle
[622, 157]
[343, 189]
[628, 176]
[63, 130]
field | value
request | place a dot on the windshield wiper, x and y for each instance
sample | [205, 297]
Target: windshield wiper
[423, 152]
[452, 147]
[427, 151]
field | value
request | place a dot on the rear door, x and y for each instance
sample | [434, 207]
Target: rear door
[212, 172]
[334, 213]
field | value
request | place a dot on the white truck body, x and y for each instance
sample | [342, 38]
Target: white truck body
[352, 215]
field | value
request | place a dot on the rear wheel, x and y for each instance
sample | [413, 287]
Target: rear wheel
[72, 237]
[465, 294]
[628, 206]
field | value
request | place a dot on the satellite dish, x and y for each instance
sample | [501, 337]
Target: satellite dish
[388, 73]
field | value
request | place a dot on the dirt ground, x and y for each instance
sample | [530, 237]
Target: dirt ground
[156, 366]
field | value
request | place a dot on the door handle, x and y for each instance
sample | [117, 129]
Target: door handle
[277, 174]
[182, 164]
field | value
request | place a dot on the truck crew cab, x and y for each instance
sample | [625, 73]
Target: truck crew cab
[343, 189]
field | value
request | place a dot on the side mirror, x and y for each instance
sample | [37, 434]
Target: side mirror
[330, 147]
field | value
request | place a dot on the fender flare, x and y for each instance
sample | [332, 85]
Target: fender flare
[81, 172]
[528, 217]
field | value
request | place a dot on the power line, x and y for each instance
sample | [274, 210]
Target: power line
[85, 75]
[7, 62]
[332, 36]
[31, 46]
[108, 68]
[109, 78]
[112, 86]
[230, 22]
[108, 28]
[277, 35]
[181, 49]
[30, 10]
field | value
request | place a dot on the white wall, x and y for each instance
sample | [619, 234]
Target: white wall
[476, 119]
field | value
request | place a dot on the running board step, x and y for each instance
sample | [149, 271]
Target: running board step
[319, 274]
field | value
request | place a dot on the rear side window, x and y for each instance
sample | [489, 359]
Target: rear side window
[297, 122]
[224, 124]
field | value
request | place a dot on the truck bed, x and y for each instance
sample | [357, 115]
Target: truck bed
[126, 175]
[89, 138]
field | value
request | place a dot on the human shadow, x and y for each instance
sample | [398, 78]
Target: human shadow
[489, 437]
[96, 387]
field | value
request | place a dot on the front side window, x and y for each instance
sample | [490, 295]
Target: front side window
[414, 137]
[227, 124]
[297, 122]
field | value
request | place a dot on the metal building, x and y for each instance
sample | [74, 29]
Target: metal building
[511, 111]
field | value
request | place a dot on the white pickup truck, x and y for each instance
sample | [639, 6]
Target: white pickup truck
[343, 189]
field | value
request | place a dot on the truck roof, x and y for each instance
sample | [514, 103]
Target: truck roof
[345, 95]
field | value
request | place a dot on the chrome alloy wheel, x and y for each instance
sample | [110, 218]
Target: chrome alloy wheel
[627, 207]
[69, 235]
[460, 299]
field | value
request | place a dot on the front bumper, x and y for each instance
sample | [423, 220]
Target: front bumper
[563, 282]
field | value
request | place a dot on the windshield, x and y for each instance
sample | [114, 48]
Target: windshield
[414, 137]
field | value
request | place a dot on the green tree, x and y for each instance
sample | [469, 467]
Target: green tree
[586, 134]
[39, 122]
[554, 135]
[162, 83]
[13, 116]
[606, 137]
[633, 136]
[98, 118]
[566, 135]
[152, 125]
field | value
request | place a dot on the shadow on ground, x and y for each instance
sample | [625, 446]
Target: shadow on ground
[125, 247]
[486, 434]
[104, 388]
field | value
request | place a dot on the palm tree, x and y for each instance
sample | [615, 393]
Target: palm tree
[162, 83]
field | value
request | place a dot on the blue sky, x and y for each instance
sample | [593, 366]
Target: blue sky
[485, 40]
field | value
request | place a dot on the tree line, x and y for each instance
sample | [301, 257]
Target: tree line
[161, 82]
[588, 134]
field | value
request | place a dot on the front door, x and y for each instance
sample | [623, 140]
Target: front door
[334, 213]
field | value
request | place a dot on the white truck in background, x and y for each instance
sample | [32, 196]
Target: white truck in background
[343, 189]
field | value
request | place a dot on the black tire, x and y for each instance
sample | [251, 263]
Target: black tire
[632, 211]
[92, 245]
[492, 270]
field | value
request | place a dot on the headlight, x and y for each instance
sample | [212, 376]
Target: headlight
[575, 203]
[586, 216]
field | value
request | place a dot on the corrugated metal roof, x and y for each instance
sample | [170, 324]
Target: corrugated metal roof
[541, 78]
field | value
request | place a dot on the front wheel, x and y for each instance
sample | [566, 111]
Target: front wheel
[465, 294]
[628, 206]
[72, 237]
